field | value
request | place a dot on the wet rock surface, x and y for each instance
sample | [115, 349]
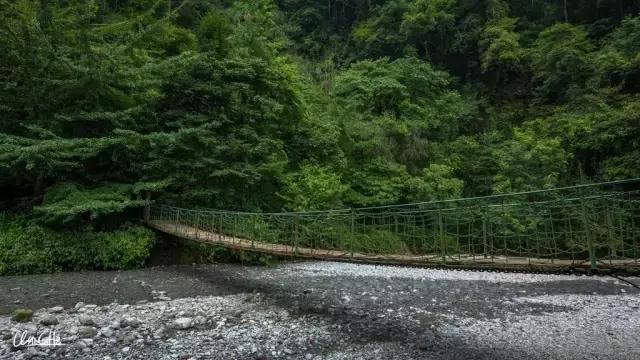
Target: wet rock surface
[322, 310]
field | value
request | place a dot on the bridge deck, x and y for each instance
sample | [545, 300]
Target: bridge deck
[462, 260]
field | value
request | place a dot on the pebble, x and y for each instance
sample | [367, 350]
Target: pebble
[183, 323]
[129, 322]
[106, 332]
[394, 323]
[129, 338]
[87, 332]
[48, 320]
[85, 320]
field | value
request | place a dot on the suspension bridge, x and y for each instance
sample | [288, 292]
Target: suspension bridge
[584, 227]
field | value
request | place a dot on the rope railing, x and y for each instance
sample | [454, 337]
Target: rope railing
[594, 226]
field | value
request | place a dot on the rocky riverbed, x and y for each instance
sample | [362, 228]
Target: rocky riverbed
[320, 310]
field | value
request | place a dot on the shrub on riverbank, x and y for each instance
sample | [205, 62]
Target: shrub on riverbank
[28, 248]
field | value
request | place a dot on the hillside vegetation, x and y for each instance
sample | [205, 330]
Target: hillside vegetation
[270, 105]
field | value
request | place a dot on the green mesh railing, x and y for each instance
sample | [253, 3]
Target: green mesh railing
[595, 225]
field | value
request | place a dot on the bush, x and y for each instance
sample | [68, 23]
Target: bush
[27, 248]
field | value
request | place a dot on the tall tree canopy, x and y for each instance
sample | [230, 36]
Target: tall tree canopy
[299, 104]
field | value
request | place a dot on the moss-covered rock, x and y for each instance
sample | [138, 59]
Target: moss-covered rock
[22, 315]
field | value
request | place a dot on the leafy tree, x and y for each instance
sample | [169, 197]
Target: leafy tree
[393, 111]
[314, 188]
[438, 182]
[300, 104]
[501, 48]
[427, 22]
[618, 63]
[529, 161]
[213, 32]
[560, 61]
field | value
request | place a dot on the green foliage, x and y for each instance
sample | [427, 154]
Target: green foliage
[295, 104]
[332, 233]
[65, 202]
[379, 242]
[529, 162]
[426, 18]
[618, 62]
[314, 188]
[213, 32]
[394, 112]
[560, 60]
[438, 182]
[502, 51]
[27, 248]
[22, 315]
[170, 40]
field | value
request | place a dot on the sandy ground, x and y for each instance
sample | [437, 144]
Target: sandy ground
[322, 310]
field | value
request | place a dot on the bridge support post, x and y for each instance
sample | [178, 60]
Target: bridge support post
[587, 233]
[198, 225]
[255, 232]
[296, 220]
[177, 221]
[442, 238]
[484, 234]
[610, 235]
[353, 232]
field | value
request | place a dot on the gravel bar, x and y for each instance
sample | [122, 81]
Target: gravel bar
[321, 310]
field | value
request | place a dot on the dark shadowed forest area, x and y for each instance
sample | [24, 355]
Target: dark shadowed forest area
[271, 105]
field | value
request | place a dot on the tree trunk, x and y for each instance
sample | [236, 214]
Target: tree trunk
[37, 187]
[147, 207]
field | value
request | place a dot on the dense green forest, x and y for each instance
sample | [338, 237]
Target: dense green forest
[269, 105]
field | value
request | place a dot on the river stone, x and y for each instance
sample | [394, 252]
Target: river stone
[87, 332]
[49, 319]
[130, 322]
[85, 320]
[106, 332]
[428, 340]
[129, 339]
[32, 352]
[183, 323]
[22, 315]
[56, 309]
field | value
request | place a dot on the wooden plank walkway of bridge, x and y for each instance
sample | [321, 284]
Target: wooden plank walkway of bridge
[459, 260]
